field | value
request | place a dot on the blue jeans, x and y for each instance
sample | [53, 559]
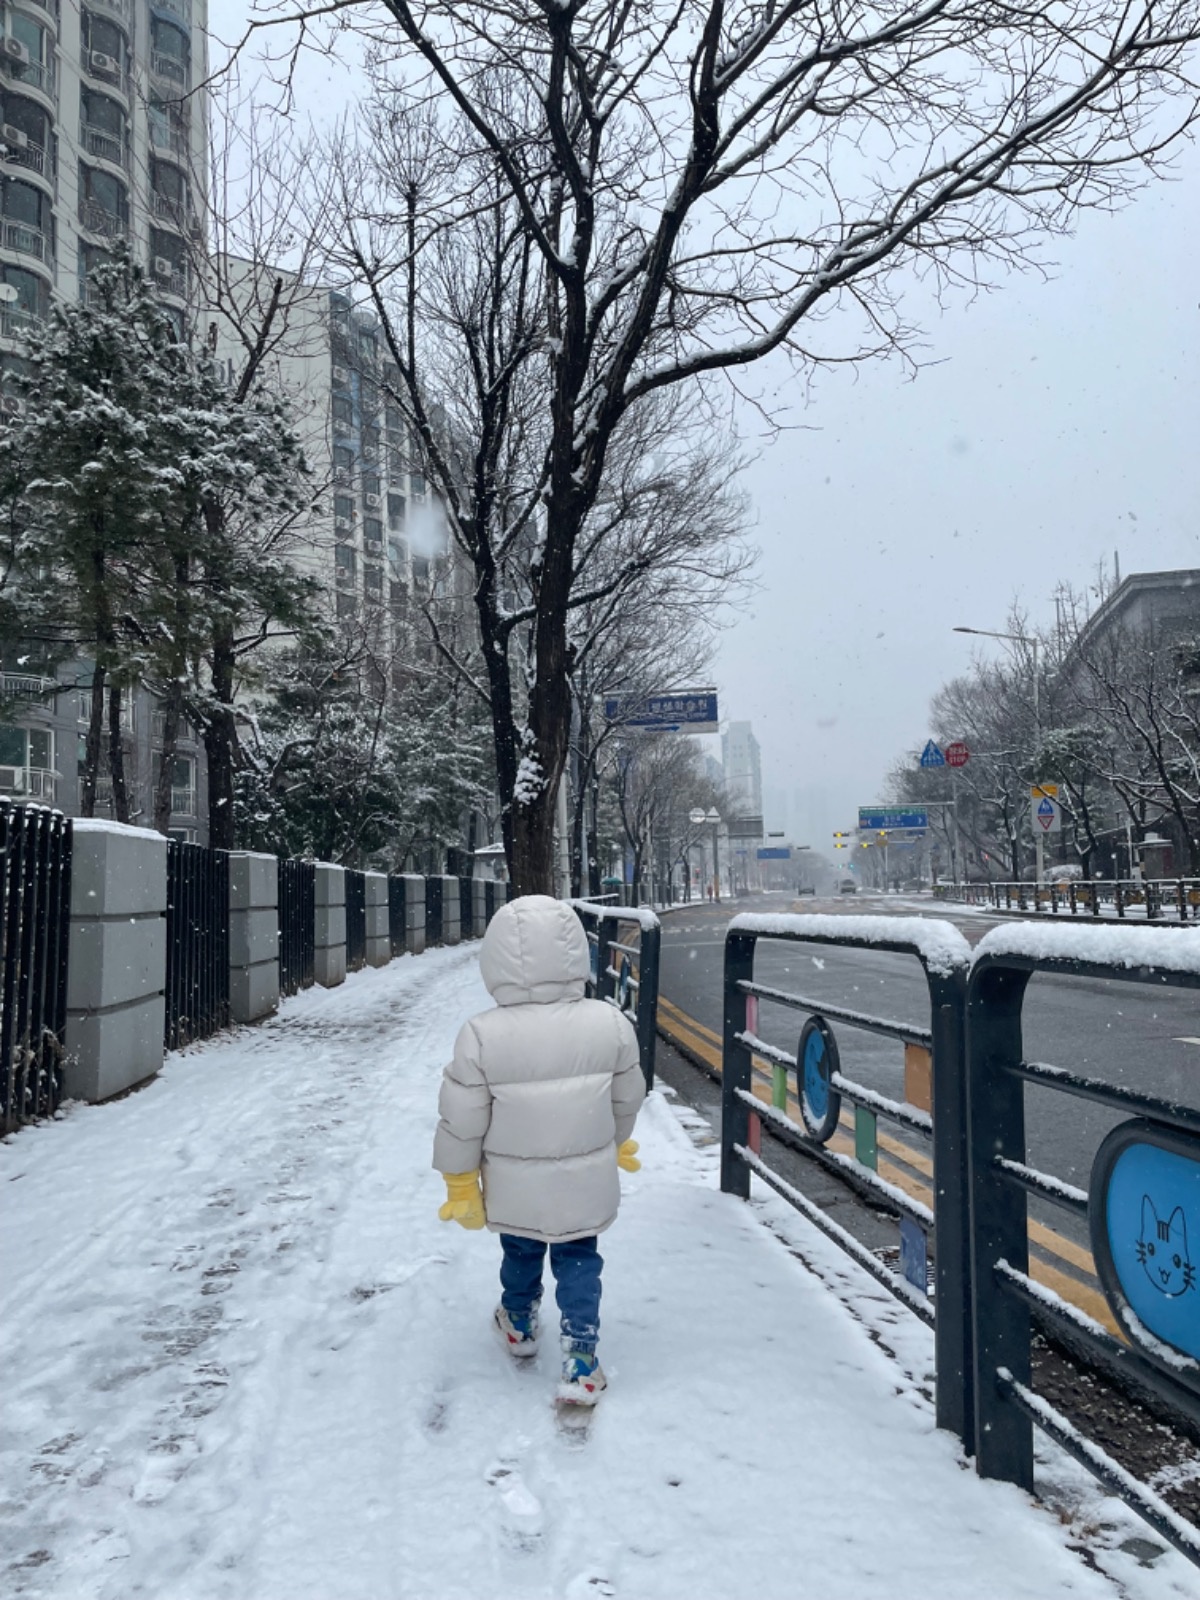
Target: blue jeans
[576, 1267]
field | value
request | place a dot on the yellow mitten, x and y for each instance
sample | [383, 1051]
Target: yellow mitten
[464, 1202]
[627, 1156]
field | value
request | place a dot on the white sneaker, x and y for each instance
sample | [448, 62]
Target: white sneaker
[583, 1380]
[520, 1334]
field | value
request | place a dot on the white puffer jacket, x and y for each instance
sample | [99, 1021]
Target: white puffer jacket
[544, 1088]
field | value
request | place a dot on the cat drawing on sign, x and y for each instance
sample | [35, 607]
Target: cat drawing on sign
[1163, 1250]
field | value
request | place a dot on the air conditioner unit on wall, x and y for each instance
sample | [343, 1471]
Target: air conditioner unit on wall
[163, 267]
[342, 524]
[14, 50]
[339, 426]
[341, 377]
[102, 63]
[372, 500]
[14, 138]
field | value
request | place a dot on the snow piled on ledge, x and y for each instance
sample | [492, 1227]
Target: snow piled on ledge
[1161, 948]
[646, 919]
[939, 944]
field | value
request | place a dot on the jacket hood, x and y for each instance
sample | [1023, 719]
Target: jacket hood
[535, 950]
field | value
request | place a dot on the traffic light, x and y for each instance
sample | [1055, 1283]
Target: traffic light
[840, 837]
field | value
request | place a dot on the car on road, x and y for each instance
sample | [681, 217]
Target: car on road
[806, 888]
[847, 886]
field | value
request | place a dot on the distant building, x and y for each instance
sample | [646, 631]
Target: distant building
[1159, 602]
[742, 761]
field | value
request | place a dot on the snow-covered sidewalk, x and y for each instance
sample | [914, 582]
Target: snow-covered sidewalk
[243, 1359]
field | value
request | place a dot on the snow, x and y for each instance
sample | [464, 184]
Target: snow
[1163, 948]
[646, 919]
[101, 825]
[941, 946]
[245, 1361]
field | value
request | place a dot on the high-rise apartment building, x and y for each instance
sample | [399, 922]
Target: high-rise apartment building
[742, 761]
[101, 139]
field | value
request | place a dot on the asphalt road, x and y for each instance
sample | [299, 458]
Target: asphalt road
[1123, 1033]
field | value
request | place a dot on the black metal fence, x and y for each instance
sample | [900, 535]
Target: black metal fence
[398, 915]
[934, 1109]
[356, 920]
[466, 909]
[197, 979]
[1142, 1206]
[1158, 900]
[625, 946]
[434, 929]
[297, 925]
[35, 890]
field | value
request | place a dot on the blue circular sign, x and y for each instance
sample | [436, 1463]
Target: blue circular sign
[816, 1062]
[1144, 1214]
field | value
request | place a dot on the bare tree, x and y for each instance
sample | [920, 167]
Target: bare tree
[684, 189]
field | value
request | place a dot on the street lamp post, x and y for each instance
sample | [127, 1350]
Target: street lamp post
[712, 817]
[1034, 643]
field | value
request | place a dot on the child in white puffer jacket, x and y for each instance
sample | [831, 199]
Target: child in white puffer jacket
[537, 1108]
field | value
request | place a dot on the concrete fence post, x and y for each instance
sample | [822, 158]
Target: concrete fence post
[116, 959]
[253, 935]
[479, 906]
[414, 913]
[379, 942]
[330, 941]
[451, 912]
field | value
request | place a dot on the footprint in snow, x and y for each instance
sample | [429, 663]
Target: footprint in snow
[520, 1508]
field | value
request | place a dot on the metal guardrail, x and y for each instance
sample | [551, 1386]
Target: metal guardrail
[35, 892]
[1163, 900]
[356, 920]
[625, 972]
[297, 925]
[197, 977]
[1142, 1205]
[936, 1110]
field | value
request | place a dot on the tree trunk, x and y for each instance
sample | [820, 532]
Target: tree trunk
[531, 853]
[164, 781]
[219, 742]
[116, 756]
[92, 744]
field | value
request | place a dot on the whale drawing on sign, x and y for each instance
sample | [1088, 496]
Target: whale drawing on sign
[1162, 1248]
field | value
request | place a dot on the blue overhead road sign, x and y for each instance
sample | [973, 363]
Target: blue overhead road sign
[693, 709]
[932, 756]
[880, 819]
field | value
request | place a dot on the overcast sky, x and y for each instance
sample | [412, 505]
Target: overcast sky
[1062, 424]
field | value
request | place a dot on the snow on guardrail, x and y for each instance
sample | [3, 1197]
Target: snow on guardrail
[1165, 949]
[646, 919]
[939, 944]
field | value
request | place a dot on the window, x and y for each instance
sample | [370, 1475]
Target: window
[105, 189]
[39, 69]
[27, 747]
[346, 604]
[344, 559]
[343, 506]
[33, 122]
[33, 292]
[104, 36]
[343, 462]
[417, 483]
[167, 247]
[373, 529]
[24, 203]
[370, 438]
[395, 509]
[168, 183]
[168, 40]
[373, 580]
[182, 769]
[397, 557]
[420, 569]
[343, 410]
[371, 484]
[99, 111]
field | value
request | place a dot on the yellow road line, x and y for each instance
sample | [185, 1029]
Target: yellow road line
[695, 1036]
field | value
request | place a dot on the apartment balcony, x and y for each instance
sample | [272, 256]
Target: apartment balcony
[26, 686]
[27, 241]
[40, 76]
[170, 71]
[185, 733]
[50, 7]
[30, 783]
[16, 322]
[104, 146]
[30, 156]
[96, 219]
[167, 140]
[175, 214]
[169, 278]
[105, 69]
[177, 8]
[123, 9]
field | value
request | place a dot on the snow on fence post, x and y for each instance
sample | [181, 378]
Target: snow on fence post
[414, 913]
[451, 913]
[330, 964]
[253, 935]
[116, 959]
[379, 940]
